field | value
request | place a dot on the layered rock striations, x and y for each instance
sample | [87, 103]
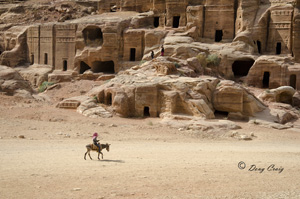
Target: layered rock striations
[144, 91]
[254, 42]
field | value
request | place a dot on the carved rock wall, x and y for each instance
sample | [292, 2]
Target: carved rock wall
[16, 53]
[52, 45]
[296, 34]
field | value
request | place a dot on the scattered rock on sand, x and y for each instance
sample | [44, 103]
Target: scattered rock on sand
[245, 137]
[21, 136]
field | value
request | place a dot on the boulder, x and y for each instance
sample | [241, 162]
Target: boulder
[283, 94]
[228, 97]
[284, 113]
[296, 100]
[195, 65]
[91, 109]
[202, 109]
[11, 81]
[231, 97]
[105, 77]
[97, 112]
[36, 74]
[164, 67]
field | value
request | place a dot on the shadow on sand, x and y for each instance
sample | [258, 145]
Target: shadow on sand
[117, 161]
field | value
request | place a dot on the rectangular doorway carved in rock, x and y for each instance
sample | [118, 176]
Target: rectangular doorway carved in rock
[293, 81]
[132, 54]
[65, 65]
[176, 20]
[108, 99]
[258, 46]
[32, 59]
[46, 58]
[146, 111]
[278, 48]
[266, 80]
[156, 22]
[218, 35]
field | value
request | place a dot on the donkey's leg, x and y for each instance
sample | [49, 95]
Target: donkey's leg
[98, 155]
[101, 154]
[85, 155]
[89, 155]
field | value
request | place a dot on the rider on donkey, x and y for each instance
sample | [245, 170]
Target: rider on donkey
[95, 141]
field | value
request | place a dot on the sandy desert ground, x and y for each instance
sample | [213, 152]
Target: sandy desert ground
[146, 158]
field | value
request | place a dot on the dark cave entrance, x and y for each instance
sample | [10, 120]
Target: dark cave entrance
[218, 35]
[45, 58]
[146, 111]
[266, 80]
[258, 43]
[221, 114]
[176, 20]
[84, 67]
[240, 68]
[92, 36]
[108, 99]
[156, 22]
[132, 54]
[103, 67]
[278, 48]
[32, 59]
[293, 81]
[65, 65]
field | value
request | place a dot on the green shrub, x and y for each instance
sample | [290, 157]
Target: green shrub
[44, 86]
[150, 123]
[177, 65]
[202, 59]
[213, 59]
[142, 62]
[96, 99]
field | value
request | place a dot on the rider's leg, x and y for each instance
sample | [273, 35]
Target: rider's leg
[99, 147]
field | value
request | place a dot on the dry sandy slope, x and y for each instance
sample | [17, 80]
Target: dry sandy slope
[147, 159]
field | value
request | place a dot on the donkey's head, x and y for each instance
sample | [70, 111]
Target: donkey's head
[107, 146]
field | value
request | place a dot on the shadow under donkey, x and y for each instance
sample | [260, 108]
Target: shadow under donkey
[92, 147]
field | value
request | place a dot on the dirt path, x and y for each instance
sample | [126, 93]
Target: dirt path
[147, 159]
[148, 169]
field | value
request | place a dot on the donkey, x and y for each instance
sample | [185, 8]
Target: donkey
[92, 147]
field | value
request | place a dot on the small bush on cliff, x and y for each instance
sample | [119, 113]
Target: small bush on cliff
[213, 59]
[142, 62]
[44, 86]
[202, 59]
[96, 99]
[177, 65]
[210, 60]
